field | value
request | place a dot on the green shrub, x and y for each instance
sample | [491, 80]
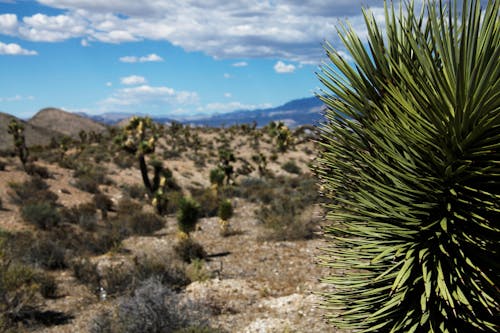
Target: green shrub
[208, 199]
[411, 168]
[17, 288]
[47, 285]
[291, 167]
[42, 214]
[187, 217]
[197, 271]
[217, 176]
[47, 253]
[188, 250]
[31, 191]
[141, 223]
[225, 211]
[84, 215]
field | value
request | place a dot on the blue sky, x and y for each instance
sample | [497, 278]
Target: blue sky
[165, 57]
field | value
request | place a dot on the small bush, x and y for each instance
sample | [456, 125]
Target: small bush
[103, 203]
[141, 223]
[188, 250]
[225, 211]
[85, 271]
[30, 191]
[42, 214]
[152, 307]
[84, 215]
[17, 288]
[207, 198]
[291, 167]
[135, 191]
[47, 253]
[89, 178]
[47, 285]
[188, 214]
[37, 170]
[217, 176]
[197, 271]
[3, 164]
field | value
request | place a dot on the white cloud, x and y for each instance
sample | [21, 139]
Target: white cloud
[133, 80]
[84, 43]
[149, 58]
[16, 98]
[8, 23]
[286, 29]
[109, 84]
[240, 64]
[148, 97]
[44, 28]
[228, 95]
[281, 67]
[227, 75]
[14, 49]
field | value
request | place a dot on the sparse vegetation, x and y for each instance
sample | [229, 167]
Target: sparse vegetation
[90, 219]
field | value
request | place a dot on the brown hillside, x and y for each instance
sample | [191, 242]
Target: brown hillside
[65, 122]
[34, 135]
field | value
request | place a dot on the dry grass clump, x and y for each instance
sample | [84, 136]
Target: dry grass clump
[153, 307]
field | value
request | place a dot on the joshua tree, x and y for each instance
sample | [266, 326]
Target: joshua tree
[261, 161]
[139, 138]
[411, 163]
[282, 135]
[16, 129]
[226, 157]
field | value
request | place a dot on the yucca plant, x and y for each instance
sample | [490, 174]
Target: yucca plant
[411, 164]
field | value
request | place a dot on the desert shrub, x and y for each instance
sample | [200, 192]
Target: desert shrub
[285, 220]
[187, 217]
[17, 288]
[291, 167]
[46, 253]
[103, 203]
[168, 270]
[126, 207]
[124, 161]
[152, 307]
[188, 250]
[3, 164]
[173, 198]
[207, 199]
[197, 271]
[217, 176]
[86, 272]
[89, 178]
[42, 214]
[135, 191]
[225, 211]
[84, 215]
[410, 162]
[33, 190]
[47, 285]
[142, 223]
[37, 170]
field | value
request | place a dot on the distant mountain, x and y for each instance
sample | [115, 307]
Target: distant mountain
[294, 113]
[34, 135]
[63, 122]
